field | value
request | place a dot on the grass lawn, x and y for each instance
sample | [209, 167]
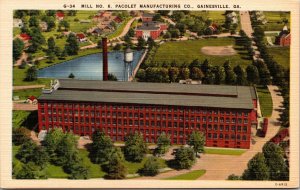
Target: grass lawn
[133, 167]
[95, 169]
[19, 116]
[55, 172]
[275, 20]
[281, 55]
[20, 74]
[24, 94]
[224, 151]
[216, 16]
[16, 31]
[81, 15]
[193, 175]
[187, 51]
[119, 29]
[265, 101]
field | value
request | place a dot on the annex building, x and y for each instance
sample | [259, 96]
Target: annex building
[224, 113]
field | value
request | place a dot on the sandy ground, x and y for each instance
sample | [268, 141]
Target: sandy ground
[219, 167]
[218, 50]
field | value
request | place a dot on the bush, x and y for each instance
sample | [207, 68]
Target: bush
[20, 135]
[151, 167]
[185, 158]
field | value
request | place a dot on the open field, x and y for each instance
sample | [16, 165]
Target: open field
[187, 51]
[24, 94]
[275, 20]
[20, 74]
[193, 175]
[281, 55]
[224, 151]
[216, 16]
[265, 101]
[133, 167]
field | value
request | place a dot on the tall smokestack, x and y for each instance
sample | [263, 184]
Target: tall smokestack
[105, 61]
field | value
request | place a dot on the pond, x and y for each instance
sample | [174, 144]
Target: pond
[90, 67]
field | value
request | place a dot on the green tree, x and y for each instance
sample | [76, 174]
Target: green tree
[36, 41]
[18, 47]
[33, 21]
[157, 17]
[219, 74]
[31, 171]
[252, 74]
[185, 158]
[66, 149]
[100, 148]
[23, 64]
[118, 47]
[230, 77]
[71, 76]
[72, 46]
[51, 44]
[141, 43]
[151, 167]
[240, 75]
[79, 171]
[257, 169]
[184, 73]
[65, 24]
[196, 73]
[131, 32]
[51, 141]
[112, 77]
[197, 141]
[163, 144]
[274, 156]
[115, 167]
[234, 177]
[20, 135]
[31, 74]
[173, 74]
[141, 75]
[135, 148]
[31, 152]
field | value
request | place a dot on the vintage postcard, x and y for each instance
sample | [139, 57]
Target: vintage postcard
[171, 94]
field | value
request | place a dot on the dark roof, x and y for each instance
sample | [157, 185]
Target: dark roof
[148, 15]
[149, 26]
[153, 93]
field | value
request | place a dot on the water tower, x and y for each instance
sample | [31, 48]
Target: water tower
[128, 59]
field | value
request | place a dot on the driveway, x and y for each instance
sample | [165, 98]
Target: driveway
[219, 167]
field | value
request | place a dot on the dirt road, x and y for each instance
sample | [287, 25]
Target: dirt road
[27, 87]
[246, 23]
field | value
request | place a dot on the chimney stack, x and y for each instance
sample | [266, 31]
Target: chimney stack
[105, 61]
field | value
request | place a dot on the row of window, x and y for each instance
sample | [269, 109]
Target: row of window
[124, 121]
[156, 109]
[146, 132]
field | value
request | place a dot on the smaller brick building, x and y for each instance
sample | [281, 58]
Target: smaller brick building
[150, 29]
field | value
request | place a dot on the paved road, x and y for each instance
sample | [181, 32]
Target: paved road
[219, 167]
[246, 23]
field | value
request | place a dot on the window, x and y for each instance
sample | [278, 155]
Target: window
[209, 135]
[239, 128]
[244, 137]
[227, 137]
[215, 136]
[245, 129]
[233, 120]
[215, 127]
[221, 136]
[232, 128]
[232, 137]
[221, 127]
[209, 127]
[245, 121]
[215, 119]
[226, 128]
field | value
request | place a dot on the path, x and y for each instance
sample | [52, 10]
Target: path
[219, 167]
[246, 23]
[27, 87]
[24, 106]
[19, 61]
[124, 32]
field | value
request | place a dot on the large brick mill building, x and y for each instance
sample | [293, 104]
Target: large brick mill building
[224, 113]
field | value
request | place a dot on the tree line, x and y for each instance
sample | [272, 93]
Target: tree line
[60, 149]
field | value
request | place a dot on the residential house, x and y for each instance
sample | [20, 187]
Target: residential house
[18, 23]
[81, 37]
